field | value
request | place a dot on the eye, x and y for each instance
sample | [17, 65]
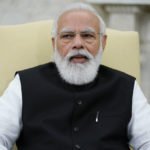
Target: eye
[87, 35]
[67, 35]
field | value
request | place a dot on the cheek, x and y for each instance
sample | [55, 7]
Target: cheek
[63, 49]
[93, 48]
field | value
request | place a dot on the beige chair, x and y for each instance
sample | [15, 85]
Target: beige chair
[28, 45]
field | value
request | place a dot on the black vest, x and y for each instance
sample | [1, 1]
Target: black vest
[59, 116]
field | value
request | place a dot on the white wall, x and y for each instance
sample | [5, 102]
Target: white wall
[21, 11]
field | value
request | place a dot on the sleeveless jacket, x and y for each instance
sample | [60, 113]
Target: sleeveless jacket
[59, 116]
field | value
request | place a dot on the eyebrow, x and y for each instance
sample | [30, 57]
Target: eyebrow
[88, 30]
[66, 30]
[71, 31]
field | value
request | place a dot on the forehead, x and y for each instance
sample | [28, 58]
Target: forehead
[78, 20]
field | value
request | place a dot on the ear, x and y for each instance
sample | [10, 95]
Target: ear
[53, 43]
[104, 41]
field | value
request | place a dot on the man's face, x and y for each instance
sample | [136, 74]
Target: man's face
[78, 48]
[78, 29]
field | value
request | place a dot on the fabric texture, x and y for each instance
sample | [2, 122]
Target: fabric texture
[52, 116]
[13, 97]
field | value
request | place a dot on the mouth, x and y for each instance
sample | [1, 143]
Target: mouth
[79, 59]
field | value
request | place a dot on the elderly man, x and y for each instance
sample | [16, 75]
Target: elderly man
[75, 103]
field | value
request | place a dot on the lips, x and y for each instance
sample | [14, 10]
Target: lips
[78, 59]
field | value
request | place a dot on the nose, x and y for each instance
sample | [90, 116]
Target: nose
[77, 42]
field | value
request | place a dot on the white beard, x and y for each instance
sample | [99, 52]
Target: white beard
[78, 73]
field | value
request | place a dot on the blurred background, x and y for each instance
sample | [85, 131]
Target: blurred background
[126, 15]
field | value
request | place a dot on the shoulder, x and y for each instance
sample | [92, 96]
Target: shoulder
[39, 68]
[111, 72]
[116, 77]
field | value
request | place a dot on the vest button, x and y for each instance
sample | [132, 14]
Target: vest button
[76, 129]
[77, 146]
[79, 102]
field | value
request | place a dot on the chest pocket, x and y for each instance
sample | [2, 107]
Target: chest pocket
[107, 124]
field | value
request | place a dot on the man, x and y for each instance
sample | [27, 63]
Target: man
[75, 103]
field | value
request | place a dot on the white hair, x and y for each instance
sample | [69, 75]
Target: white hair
[79, 6]
[78, 73]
